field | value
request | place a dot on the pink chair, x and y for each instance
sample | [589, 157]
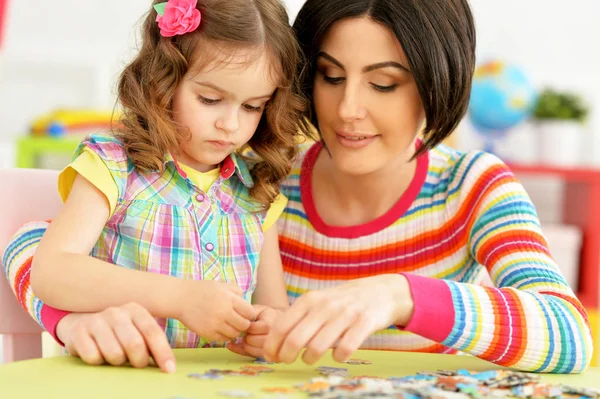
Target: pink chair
[26, 195]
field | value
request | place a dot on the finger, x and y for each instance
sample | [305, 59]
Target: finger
[133, 343]
[259, 328]
[238, 322]
[278, 333]
[228, 331]
[156, 340]
[268, 315]
[299, 337]
[352, 339]
[253, 350]
[110, 347]
[83, 345]
[257, 341]
[237, 348]
[326, 338]
[244, 309]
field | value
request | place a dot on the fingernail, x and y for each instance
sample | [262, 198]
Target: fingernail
[170, 366]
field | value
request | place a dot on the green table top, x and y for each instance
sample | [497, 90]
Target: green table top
[67, 377]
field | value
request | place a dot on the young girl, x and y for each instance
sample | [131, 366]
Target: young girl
[388, 236]
[170, 193]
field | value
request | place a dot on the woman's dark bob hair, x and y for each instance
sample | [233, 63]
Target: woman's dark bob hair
[437, 36]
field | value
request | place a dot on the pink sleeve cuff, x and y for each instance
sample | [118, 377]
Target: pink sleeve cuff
[433, 315]
[50, 319]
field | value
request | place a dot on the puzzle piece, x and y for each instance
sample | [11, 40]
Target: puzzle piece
[283, 390]
[205, 376]
[356, 362]
[337, 371]
[260, 360]
[258, 368]
[235, 393]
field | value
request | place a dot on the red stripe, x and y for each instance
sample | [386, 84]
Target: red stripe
[519, 327]
[501, 333]
[510, 327]
[510, 242]
[22, 282]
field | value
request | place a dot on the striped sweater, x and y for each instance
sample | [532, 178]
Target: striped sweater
[463, 219]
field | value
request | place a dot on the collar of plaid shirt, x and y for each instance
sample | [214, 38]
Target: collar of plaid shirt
[234, 163]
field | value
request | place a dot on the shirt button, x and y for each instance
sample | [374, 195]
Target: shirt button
[210, 246]
[226, 170]
[200, 197]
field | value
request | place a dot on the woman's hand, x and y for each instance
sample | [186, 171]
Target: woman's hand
[117, 335]
[342, 316]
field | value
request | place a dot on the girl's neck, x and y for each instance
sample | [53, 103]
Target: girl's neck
[191, 163]
[342, 199]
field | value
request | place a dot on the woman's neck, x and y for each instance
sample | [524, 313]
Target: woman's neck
[343, 199]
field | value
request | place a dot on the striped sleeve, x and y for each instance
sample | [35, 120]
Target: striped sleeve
[17, 265]
[530, 320]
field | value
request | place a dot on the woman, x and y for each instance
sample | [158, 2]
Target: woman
[388, 235]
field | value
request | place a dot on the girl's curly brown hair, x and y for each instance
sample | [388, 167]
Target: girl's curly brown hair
[147, 85]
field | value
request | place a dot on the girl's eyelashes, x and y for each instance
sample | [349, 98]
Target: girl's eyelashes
[208, 101]
[212, 101]
[250, 108]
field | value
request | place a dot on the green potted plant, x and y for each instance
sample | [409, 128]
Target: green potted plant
[560, 118]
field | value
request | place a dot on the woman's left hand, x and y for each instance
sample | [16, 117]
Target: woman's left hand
[342, 316]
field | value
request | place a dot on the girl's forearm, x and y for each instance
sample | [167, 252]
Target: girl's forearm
[81, 283]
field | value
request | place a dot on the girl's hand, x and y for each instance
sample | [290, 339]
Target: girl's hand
[254, 340]
[115, 336]
[213, 309]
[342, 316]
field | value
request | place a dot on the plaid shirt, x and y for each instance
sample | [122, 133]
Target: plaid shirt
[164, 224]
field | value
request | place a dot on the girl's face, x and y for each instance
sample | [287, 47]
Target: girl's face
[366, 99]
[221, 106]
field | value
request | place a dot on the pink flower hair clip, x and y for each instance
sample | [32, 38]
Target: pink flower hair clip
[177, 17]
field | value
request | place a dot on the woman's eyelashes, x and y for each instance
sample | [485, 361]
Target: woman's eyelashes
[384, 89]
[336, 80]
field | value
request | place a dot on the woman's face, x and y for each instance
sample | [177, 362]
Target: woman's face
[366, 99]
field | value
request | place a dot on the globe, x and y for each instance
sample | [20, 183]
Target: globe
[501, 97]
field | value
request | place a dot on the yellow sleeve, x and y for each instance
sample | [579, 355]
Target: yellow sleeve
[275, 211]
[89, 165]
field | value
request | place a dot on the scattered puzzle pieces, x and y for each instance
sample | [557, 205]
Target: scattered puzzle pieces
[459, 384]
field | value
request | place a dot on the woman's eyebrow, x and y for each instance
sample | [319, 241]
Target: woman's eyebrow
[368, 68]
